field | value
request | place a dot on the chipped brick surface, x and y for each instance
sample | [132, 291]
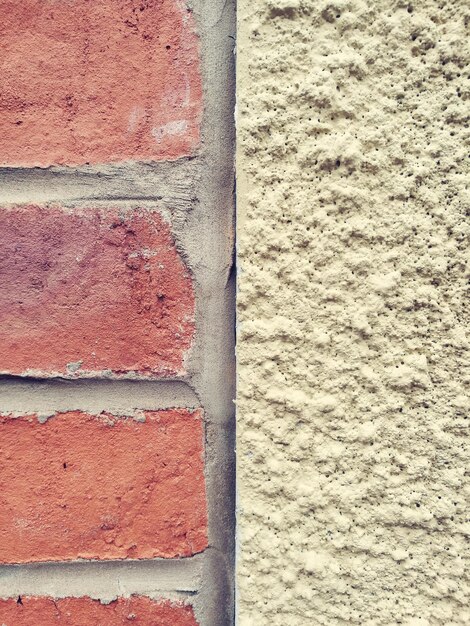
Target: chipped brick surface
[92, 82]
[92, 292]
[78, 486]
[141, 611]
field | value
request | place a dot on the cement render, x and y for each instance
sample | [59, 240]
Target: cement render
[352, 445]
[196, 195]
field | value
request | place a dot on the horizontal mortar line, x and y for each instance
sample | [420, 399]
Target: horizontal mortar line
[19, 395]
[103, 579]
[159, 182]
[101, 169]
[173, 195]
[168, 199]
[121, 198]
[172, 199]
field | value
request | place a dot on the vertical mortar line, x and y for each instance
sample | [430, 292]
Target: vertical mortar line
[212, 362]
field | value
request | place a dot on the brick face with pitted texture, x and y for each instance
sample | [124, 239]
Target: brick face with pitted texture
[92, 292]
[94, 82]
[27, 611]
[80, 486]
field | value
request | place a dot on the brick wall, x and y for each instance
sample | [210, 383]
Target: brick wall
[116, 306]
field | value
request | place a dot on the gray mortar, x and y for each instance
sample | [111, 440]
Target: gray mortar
[119, 397]
[103, 581]
[212, 361]
[196, 195]
[172, 184]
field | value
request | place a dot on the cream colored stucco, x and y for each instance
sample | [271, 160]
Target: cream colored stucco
[353, 250]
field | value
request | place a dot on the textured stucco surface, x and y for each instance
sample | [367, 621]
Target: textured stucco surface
[353, 358]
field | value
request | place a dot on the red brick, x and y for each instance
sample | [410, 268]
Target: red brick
[88, 290]
[89, 81]
[80, 486]
[136, 610]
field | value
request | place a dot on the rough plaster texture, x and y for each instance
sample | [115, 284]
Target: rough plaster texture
[101, 81]
[353, 400]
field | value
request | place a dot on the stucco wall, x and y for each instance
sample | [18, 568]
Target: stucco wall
[353, 363]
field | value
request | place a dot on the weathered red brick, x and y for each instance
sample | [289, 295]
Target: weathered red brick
[80, 486]
[97, 81]
[91, 291]
[43, 611]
